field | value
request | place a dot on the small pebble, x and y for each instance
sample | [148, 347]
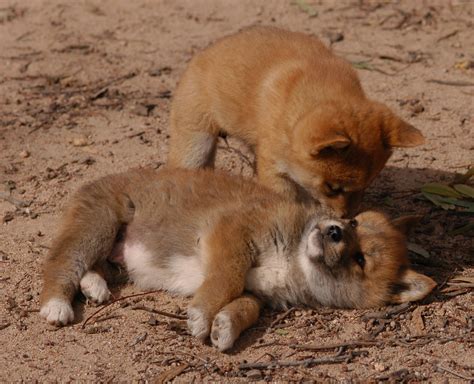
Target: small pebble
[254, 374]
[24, 154]
[79, 142]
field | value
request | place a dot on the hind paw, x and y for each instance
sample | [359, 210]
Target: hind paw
[94, 287]
[57, 312]
[223, 333]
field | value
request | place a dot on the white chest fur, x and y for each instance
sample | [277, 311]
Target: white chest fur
[182, 274]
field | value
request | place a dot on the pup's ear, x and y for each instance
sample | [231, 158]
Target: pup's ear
[405, 223]
[413, 286]
[398, 133]
[325, 141]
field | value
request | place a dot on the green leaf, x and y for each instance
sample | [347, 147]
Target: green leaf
[460, 203]
[282, 332]
[362, 65]
[463, 178]
[464, 189]
[440, 189]
[305, 7]
[415, 248]
[462, 230]
[438, 201]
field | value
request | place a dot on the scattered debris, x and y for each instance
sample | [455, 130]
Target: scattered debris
[454, 83]
[171, 373]
[306, 8]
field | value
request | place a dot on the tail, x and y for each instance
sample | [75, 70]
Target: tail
[87, 235]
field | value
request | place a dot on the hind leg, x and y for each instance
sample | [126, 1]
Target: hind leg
[233, 319]
[193, 135]
[94, 286]
[192, 149]
[228, 260]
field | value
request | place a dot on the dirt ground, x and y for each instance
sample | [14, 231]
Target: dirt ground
[85, 90]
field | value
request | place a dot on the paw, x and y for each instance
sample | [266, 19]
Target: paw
[94, 287]
[198, 323]
[223, 333]
[57, 312]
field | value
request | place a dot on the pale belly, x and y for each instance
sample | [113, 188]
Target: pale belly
[179, 274]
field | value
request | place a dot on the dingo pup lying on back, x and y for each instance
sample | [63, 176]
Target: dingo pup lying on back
[229, 243]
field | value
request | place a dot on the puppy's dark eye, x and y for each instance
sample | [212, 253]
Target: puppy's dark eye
[353, 223]
[334, 190]
[359, 259]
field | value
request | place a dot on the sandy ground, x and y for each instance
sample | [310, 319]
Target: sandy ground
[85, 90]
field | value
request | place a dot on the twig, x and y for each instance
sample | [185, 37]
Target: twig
[269, 344]
[115, 301]
[454, 83]
[345, 344]
[158, 312]
[282, 317]
[390, 311]
[239, 153]
[447, 36]
[336, 359]
[399, 374]
[4, 325]
[132, 135]
[468, 378]
[320, 322]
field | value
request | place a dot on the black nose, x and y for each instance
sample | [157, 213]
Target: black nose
[335, 233]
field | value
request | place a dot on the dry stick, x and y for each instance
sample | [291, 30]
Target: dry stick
[454, 83]
[345, 344]
[115, 301]
[336, 359]
[157, 311]
[282, 317]
[390, 311]
[320, 322]
[471, 378]
[447, 36]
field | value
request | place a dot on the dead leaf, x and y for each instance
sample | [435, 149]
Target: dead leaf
[412, 247]
[417, 324]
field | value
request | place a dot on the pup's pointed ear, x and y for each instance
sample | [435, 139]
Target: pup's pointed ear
[398, 133]
[330, 141]
[406, 223]
[414, 286]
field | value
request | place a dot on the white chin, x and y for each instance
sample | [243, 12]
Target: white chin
[315, 249]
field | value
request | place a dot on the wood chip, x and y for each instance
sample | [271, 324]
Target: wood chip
[171, 373]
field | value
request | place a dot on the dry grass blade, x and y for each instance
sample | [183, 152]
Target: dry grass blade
[336, 359]
[344, 344]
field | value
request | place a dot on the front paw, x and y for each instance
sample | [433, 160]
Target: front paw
[198, 323]
[57, 312]
[224, 332]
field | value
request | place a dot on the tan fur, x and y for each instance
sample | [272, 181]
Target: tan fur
[215, 237]
[300, 107]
